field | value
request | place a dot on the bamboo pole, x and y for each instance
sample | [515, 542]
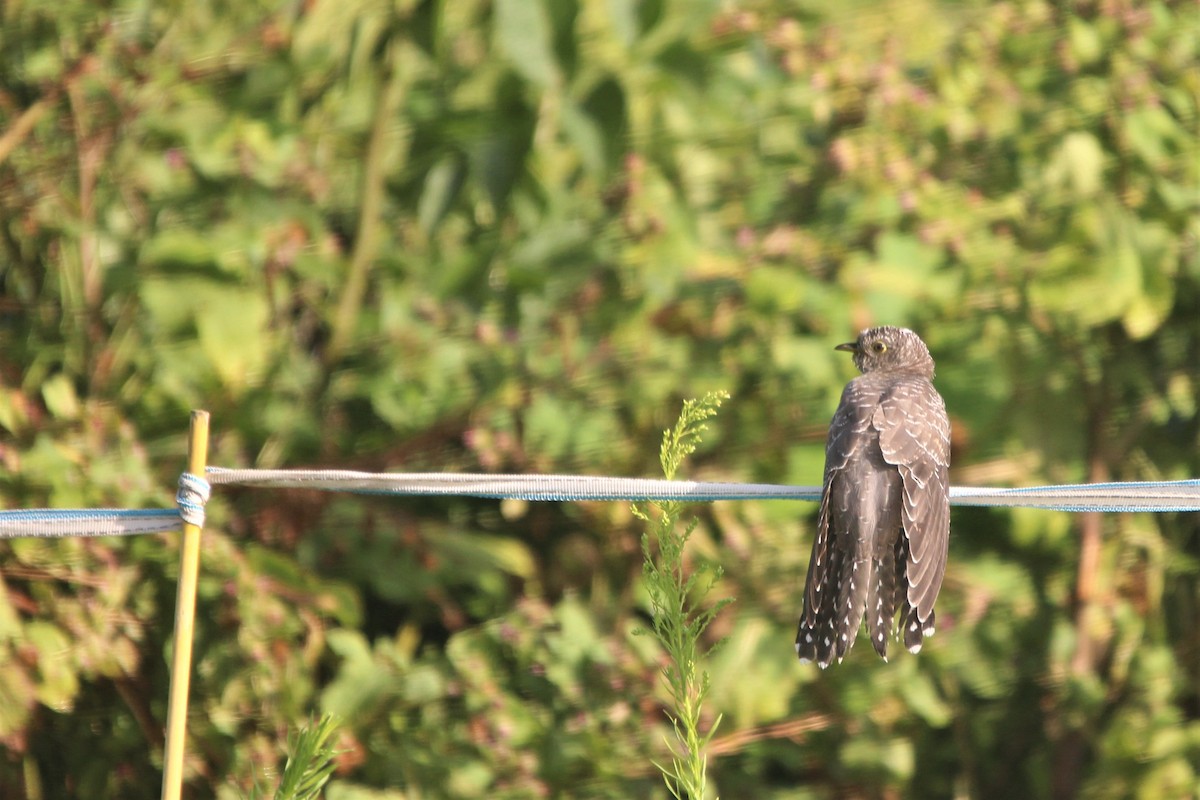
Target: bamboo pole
[185, 619]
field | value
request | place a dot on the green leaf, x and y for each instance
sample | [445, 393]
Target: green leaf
[233, 333]
[360, 683]
[623, 17]
[779, 289]
[473, 553]
[18, 695]
[179, 249]
[523, 33]
[921, 696]
[442, 185]
[1086, 43]
[1077, 165]
[57, 680]
[60, 397]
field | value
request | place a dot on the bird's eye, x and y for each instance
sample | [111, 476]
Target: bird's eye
[879, 347]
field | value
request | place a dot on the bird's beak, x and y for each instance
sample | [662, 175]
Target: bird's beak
[849, 347]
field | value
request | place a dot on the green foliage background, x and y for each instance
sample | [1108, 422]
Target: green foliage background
[511, 235]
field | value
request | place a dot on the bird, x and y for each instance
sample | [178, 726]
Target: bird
[883, 527]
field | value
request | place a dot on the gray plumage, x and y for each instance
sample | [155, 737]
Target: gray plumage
[884, 523]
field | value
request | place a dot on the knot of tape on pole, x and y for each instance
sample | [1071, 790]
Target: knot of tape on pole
[191, 498]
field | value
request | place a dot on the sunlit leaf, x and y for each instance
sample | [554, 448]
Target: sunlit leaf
[523, 33]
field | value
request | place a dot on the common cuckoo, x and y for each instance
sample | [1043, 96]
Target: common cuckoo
[884, 523]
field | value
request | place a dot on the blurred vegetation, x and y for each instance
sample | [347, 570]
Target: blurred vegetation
[511, 235]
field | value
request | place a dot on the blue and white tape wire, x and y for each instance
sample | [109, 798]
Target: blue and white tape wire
[1143, 496]
[1154, 496]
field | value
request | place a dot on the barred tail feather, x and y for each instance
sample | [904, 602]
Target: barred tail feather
[816, 639]
[881, 601]
[916, 629]
[857, 579]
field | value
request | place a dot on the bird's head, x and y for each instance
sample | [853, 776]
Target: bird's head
[890, 349]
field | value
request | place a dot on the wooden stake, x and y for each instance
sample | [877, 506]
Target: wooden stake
[185, 619]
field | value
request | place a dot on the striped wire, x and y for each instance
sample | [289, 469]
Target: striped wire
[1152, 496]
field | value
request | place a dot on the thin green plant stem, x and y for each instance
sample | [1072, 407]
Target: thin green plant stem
[310, 762]
[370, 222]
[677, 612]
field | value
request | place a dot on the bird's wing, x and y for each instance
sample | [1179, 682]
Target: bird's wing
[846, 438]
[848, 434]
[848, 431]
[914, 435]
